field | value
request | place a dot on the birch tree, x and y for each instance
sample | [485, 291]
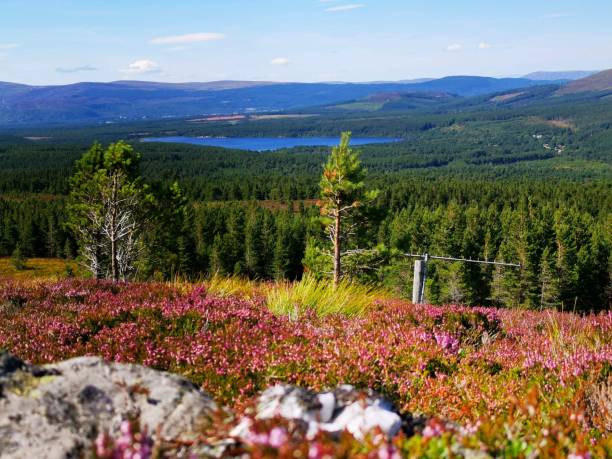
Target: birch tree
[106, 210]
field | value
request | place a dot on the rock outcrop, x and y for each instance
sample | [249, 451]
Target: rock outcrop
[57, 411]
[343, 409]
[61, 410]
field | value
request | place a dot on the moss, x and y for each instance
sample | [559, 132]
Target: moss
[25, 384]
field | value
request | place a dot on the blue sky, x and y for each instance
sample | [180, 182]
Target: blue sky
[63, 41]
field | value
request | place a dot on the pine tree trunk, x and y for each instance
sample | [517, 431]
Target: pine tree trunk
[337, 266]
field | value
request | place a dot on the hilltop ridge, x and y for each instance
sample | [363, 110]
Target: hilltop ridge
[598, 82]
[118, 101]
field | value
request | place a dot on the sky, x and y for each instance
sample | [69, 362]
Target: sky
[65, 41]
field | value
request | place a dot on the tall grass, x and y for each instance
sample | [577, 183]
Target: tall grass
[227, 286]
[294, 299]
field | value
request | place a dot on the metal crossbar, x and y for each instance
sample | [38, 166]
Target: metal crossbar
[420, 271]
[426, 256]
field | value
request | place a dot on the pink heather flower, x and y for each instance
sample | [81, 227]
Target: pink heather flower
[388, 452]
[585, 455]
[315, 451]
[102, 445]
[433, 429]
[258, 438]
[278, 437]
[447, 342]
[126, 428]
[424, 336]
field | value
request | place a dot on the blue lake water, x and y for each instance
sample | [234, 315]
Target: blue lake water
[268, 143]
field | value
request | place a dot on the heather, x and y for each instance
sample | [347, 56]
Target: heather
[507, 383]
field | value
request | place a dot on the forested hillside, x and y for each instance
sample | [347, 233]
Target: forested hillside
[527, 181]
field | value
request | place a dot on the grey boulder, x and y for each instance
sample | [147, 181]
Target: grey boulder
[56, 411]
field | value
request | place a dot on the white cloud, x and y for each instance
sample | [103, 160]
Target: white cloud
[188, 38]
[483, 45]
[352, 6]
[5, 46]
[454, 47]
[142, 67]
[280, 61]
[82, 68]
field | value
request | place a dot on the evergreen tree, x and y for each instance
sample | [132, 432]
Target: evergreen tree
[254, 245]
[567, 256]
[342, 192]
[549, 281]
[18, 259]
[217, 258]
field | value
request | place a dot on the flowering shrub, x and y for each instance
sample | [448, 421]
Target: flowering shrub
[132, 444]
[502, 382]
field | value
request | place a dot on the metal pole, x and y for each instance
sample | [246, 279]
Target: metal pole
[423, 279]
[416, 281]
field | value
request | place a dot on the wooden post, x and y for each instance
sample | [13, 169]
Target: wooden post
[417, 282]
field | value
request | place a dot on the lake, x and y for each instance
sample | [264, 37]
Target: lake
[268, 143]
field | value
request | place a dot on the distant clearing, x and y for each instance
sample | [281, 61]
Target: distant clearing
[209, 119]
[560, 123]
[362, 106]
[506, 97]
[454, 128]
[38, 268]
[279, 117]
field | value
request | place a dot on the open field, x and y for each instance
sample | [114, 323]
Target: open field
[491, 382]
[38, 268]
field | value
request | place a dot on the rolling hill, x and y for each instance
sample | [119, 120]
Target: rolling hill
[91, 103]
[599, 82]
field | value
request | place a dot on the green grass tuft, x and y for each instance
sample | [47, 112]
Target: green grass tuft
[348, 298]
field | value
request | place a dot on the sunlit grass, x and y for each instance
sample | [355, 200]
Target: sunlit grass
[296, 298]
[229, 286]
[569, 335]
[39, 268]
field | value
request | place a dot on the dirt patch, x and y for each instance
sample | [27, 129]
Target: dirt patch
[278, 117]
[561, 123]
[215, 118]
[506, 97]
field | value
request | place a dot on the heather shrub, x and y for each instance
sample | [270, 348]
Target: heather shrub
[537, 385]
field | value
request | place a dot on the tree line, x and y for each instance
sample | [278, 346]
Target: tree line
[557, 232]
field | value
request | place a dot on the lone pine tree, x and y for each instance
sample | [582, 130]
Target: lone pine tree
[342, 193]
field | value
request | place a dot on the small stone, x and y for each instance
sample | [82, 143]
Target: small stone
[359, 412]
[328, 404]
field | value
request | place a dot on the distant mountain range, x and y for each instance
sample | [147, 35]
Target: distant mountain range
[91, 103]
[564, 75]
